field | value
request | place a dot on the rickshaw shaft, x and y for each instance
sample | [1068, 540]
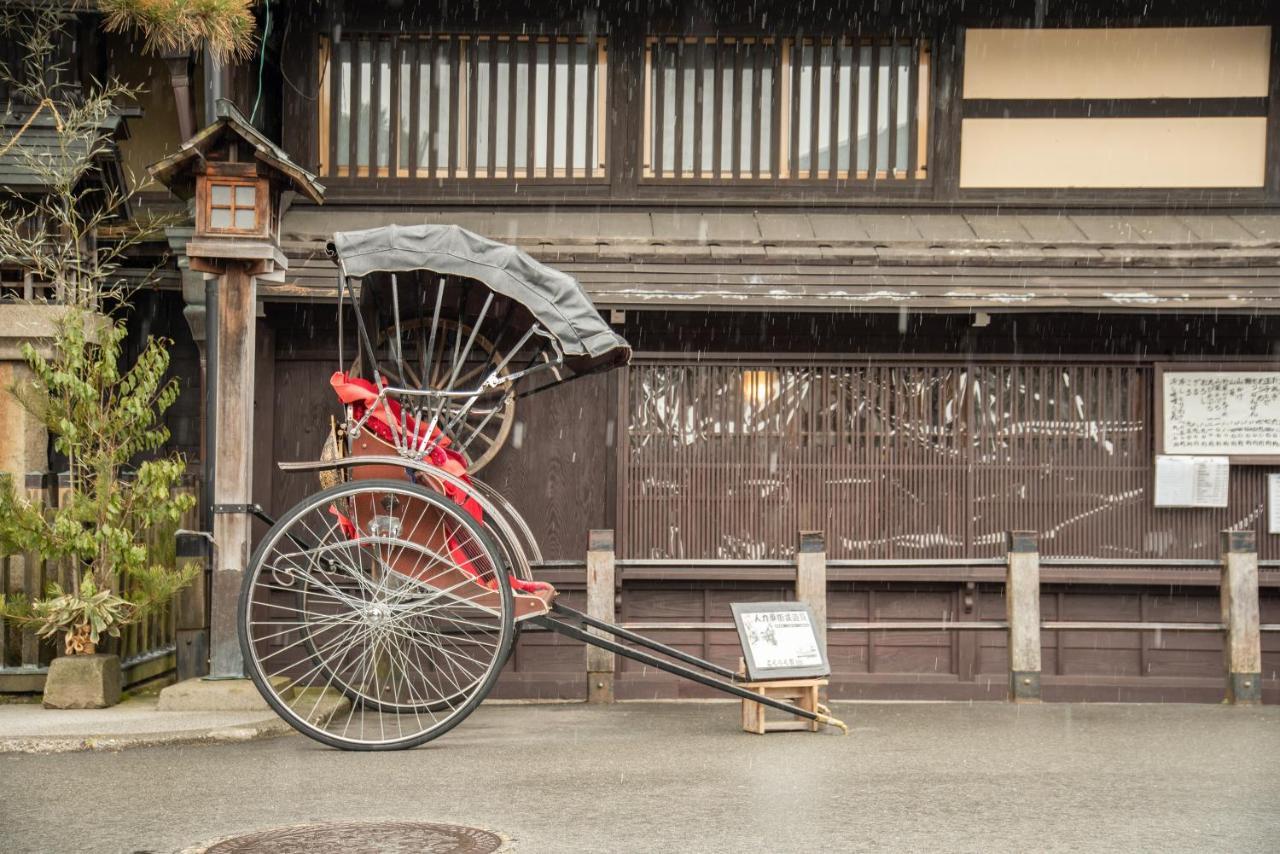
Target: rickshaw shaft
[581, 634]
[649, 643]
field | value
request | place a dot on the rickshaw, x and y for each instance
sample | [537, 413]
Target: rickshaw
[378, 612]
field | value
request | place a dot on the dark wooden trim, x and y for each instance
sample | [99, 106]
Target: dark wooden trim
[1083, 108]
[948, 72]
[1272, 175]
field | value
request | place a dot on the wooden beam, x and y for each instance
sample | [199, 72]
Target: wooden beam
[601, 581]
[233, 481]
[1022, 602]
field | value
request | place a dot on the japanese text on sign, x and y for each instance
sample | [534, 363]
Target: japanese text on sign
[1229, 412]
[781, 639]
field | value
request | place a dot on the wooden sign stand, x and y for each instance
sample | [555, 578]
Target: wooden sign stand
[801, 692]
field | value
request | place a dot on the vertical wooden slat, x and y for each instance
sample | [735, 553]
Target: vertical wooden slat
[659, 107]
[777, 159]
[600, 104]
[855, 68]
[456, 47]
[815, 107]
[833, 120]
[736, 112]
[756, 63]
[415, 94]
[551, 107]
[699, 64]
[891, 163]
[493, 107]
[435, 51]
[873, 108]
[473, 90]
[677, 114]
[513, 102]
[589, 137]
[324, 89]
[913, 86]
[717, 123]
[797, 63]
[531, 102]
[571, 45]
[393, 132]
[375, 102]
[357, 87]
[335, 99]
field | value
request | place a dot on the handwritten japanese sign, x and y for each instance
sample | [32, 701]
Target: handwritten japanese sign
[1229, 413]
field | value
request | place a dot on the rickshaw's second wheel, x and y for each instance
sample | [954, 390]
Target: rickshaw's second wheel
[414, 337]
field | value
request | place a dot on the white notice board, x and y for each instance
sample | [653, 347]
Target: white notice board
[1192, 481]
[1232, 413]
[1273, 503]
[779, 640]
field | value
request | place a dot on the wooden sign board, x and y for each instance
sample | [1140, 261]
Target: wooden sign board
[1229, 411]
[779, 640]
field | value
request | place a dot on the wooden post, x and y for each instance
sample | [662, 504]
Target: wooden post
[1242, 644]
[192, 606]
[601, 604]
[1022, 601]
[233, 463]
[811, 579]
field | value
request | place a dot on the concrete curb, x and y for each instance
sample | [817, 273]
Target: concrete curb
[267, 728]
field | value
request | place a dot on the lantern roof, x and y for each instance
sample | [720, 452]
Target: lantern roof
[177, 171]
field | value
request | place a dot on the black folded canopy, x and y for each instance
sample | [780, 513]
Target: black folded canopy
[553, 298]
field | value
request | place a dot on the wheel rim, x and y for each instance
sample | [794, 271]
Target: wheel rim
[377, 635]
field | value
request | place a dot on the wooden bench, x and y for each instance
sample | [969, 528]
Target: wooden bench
[801, 692]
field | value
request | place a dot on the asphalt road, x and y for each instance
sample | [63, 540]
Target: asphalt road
[681, 778]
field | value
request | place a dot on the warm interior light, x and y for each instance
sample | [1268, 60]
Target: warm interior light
[759, 386]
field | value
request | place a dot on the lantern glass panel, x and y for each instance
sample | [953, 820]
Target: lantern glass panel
[244, 197]
[220, 217]
[221, 194]
[245, 218]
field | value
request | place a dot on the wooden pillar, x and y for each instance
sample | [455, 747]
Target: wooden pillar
[1242, 644]
[811, 579]
[601, 604]
[1022, 601]
[233, 463]
[192, 606]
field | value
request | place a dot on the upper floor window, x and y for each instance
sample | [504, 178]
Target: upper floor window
[476, 106]
[838, 109]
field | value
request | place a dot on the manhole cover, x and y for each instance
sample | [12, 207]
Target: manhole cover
[350, 837]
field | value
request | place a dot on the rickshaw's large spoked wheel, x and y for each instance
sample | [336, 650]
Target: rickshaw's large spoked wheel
[375, 615]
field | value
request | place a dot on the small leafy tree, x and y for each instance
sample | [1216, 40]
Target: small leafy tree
[73, 237]
[101, 419]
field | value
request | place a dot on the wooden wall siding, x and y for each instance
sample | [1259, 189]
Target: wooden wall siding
[912, 461]
[1078, 665]
[836, 109]
[463, 106]
[556, 466]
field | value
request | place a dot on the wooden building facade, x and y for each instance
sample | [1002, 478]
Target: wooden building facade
[904, 276]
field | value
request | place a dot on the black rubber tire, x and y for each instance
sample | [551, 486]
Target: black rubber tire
[482, 690]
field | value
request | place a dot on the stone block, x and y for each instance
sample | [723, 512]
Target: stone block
[83, 682]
